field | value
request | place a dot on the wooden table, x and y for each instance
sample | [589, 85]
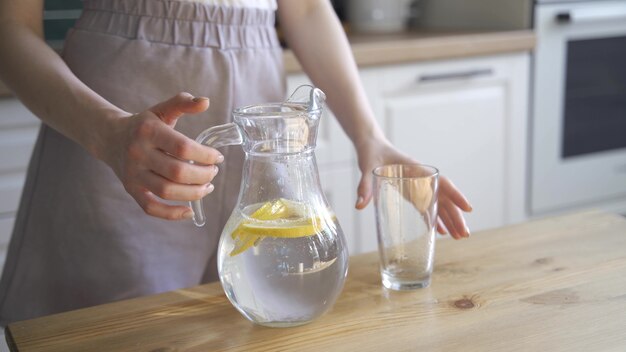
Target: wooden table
[557, 284]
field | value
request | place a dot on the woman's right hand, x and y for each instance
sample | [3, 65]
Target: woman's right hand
[151, 159]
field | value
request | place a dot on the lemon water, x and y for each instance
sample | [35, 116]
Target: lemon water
[280, 265]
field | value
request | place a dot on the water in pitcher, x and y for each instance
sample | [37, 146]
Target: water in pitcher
[281, 263]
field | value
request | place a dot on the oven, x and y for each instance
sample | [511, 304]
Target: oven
[578, 156]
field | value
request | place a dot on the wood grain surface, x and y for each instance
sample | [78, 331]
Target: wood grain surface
[558, 284]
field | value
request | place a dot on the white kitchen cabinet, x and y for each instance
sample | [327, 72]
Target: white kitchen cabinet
[468, 117]
[461, 132]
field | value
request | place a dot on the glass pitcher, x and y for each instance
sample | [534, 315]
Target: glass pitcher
[282, 256]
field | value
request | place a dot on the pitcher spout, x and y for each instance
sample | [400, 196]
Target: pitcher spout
[311, 97]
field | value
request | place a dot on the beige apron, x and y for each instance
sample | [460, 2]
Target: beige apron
[80, 239]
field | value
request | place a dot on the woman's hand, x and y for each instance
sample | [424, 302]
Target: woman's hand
[452, 203]
[151, 158]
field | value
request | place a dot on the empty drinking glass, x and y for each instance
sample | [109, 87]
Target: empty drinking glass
[405, 199]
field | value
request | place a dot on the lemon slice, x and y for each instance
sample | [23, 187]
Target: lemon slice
[243, 242]
[268, 211]
[289, 229]
[280, 218]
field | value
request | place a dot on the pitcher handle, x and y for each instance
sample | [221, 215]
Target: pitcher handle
[215, 137]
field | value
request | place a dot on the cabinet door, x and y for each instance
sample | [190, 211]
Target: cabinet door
[461, 132]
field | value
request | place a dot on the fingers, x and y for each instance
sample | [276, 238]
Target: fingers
[181, 147]
[364, 191]
[441, 229]
[166, 189]
[170, 110]
[446, 186]
[155, 159]
[453, 219]
[449, 224]
[180, 171]
[151, 205]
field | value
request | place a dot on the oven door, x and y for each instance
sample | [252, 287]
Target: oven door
[579, 112]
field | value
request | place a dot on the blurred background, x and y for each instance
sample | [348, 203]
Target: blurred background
[521, 103]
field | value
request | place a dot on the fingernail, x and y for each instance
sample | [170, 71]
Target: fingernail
[220, 159]
[199, 99]
[470, 207]
[359, 201]
[215, 170]
[188, 214]
[467, 232]
[210, 188]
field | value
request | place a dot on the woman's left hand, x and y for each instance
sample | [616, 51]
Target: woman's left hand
[452, 203]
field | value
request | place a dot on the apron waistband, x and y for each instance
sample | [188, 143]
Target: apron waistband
[181, 23]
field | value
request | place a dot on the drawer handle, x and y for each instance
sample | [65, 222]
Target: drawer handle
[614, 13]
[454, 75]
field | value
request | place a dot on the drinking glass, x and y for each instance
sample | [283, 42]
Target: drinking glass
[405, 199]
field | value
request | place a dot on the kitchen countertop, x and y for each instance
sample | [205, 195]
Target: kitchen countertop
[558, 284]
[387, 49]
